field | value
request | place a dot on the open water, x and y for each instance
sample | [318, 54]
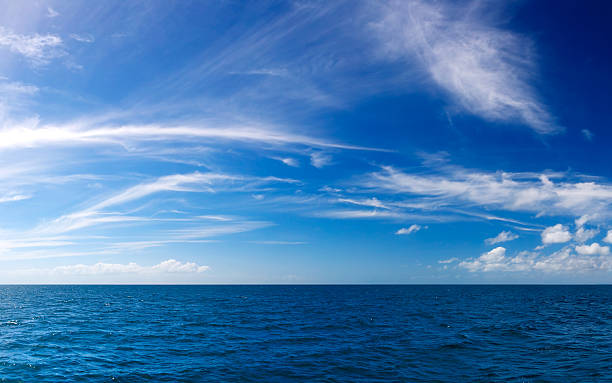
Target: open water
[306, 333]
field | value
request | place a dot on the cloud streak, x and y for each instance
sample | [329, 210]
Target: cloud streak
[31, 134]
[504, 236]
[192, 182]
[458, 187]
[170, 266]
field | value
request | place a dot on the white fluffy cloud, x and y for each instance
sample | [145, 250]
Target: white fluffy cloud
[409, 230]
[583, 234]
[608, 237]
[563, 260]
[593, 249]
[556, 234]
[493, 260]
[504, 236]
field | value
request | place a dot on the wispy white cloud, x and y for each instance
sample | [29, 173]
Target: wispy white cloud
[51, 13]
[169, 266]
[288, 161]
[31, 133]
[82, 219]
[362, 214]
[485, 69]
[504, 236]
[208, 231]
[279, 242]
[588, 135]
[37, 49]
[458, 187]
[13, 198]
[370, 202]
[87, 38]
[412, 229]
[33, 242]
[16, 88]
[447, 261]
[191, 182]
[320, 159]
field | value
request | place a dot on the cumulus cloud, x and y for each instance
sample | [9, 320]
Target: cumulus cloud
[608, 237]
[490, 261]
[486, 70]
[581, 221]
[165, 267]
[593, 249]
[583, 234]
[504, 236]
[563, 260]
[412, 229]
[556, 234]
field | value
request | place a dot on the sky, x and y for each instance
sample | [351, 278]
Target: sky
[305, 142]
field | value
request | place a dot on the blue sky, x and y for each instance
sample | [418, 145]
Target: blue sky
[305, 142]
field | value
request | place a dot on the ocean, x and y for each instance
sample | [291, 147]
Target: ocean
[306, 333]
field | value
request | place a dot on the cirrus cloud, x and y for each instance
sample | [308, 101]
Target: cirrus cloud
[486, 70]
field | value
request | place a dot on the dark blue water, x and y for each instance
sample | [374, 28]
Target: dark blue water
[306, 333]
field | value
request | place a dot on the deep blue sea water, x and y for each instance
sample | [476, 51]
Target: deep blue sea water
[306, 333]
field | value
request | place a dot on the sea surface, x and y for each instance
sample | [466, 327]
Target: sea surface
[306, 333]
